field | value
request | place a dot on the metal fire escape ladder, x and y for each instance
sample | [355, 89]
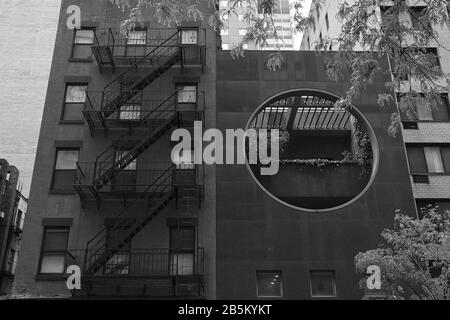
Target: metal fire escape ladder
[126, 86]
[99, 251]
[157, 123]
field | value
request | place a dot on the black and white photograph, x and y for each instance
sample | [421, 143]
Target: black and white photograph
[215, 158]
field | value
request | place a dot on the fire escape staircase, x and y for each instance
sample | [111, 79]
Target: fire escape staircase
[99, 251]
[136, 78]
[162, 190]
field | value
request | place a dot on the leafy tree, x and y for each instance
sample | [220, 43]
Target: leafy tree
[385, 34]
[414, 257]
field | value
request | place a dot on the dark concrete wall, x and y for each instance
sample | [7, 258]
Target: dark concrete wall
[255, 232]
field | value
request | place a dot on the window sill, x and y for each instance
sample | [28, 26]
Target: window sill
[62, 192]
[50, 277]
[71, 122]
[86, 60]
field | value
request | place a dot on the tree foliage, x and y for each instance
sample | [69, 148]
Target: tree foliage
[376, 34]
[414, 257]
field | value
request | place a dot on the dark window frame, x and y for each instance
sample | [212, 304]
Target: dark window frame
[334, 284]
[87, 59]
[445, 164]
[258, 295]
[174, 251]
[186, 84]
[196, 29]
[67, 85]
[52, 189]
[43, 252]
[446, 104]
[137, 46]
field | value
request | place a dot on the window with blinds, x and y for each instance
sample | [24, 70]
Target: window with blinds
[54, 249]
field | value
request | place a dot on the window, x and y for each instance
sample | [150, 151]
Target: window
[54, 248]
[430, 111]
[417, 18]
[223, 4]
[130, 112]
[12, 261]
[137, 37]
[284, 6]
[119, 264]
[434, 159]
[189, 37]
[428, 159]
[136, 43]
[433, 54]
[184, 160]
[416, 158]
[224, 32]
[82, 43]
[187, 93]
[225, 46]
[75, 99]
[242, 32]
[65, 169]
[323, 284]
[327, 21]
[122, 153]
[269, 284]
[182, 249]
[19, 220]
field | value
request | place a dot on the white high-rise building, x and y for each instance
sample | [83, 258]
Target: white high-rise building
[235, 28]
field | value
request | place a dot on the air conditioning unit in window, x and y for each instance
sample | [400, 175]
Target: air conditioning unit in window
[410, 125]
[2, 215]
[422, 179]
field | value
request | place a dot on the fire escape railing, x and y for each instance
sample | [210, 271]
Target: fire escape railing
[100, 250]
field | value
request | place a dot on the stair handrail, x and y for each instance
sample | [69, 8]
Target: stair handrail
[122, 212]
[103, 248]
[143, 120]
[142, 59]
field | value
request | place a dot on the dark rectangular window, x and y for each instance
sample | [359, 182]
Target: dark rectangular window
[187, 93]
[441, 111]
[323, 284]
[136, 43]
[445, 152]
[416, 158]
[417, 18]
[125, 179]
[54, 250]
[428, 158]
[74, 101]
[269, 284]
[426, 110]
[119, 263]
[327, 21]
[182, 250]
[82, 43]
[65, 169]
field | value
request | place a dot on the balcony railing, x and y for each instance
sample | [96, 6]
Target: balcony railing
[142, 111]
[126, 50]
[145, 263]
[136, 178]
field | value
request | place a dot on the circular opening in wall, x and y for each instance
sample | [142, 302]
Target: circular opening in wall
[328, 155]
